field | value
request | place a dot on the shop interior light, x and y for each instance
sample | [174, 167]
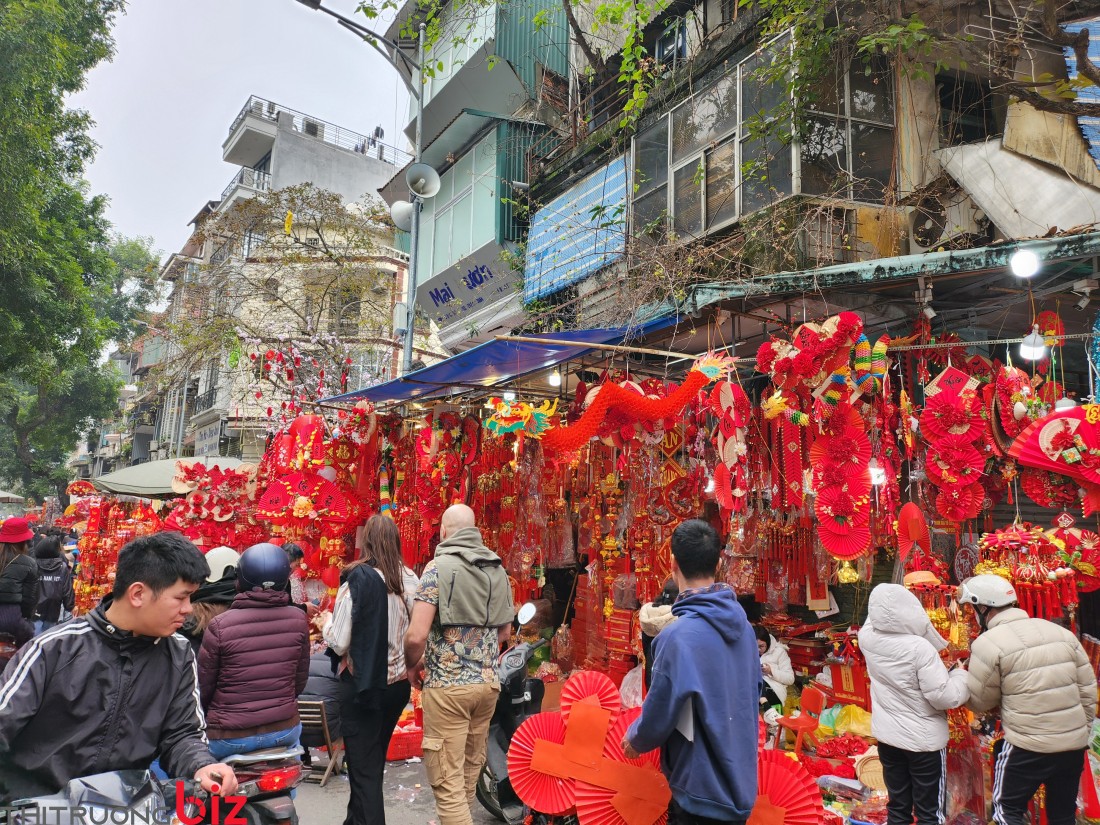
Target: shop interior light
[878, 475]
[554, 379]
[511, 396]
[1063, 404]
[1024, 263]
[710, 485]
[1033, 348]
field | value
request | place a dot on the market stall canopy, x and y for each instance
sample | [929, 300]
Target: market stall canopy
[154, 478]
[494, 362]
[9, 498]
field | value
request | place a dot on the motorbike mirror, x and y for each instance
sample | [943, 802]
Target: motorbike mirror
[526, 613]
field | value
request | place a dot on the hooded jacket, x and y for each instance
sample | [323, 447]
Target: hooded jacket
[782, 670]
[474, 590]
[55, 589]
[86, 697]
[702, 706]
[1040, 676]
[911, 688]
[253, 664]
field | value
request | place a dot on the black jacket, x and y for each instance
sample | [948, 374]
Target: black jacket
[322, 686]
[55, 589]
[86, 698]
[369, 649]
[19, 584]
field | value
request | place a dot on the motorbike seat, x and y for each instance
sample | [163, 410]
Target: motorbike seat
[267, 755]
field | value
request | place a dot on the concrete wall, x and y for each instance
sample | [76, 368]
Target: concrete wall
[298, 158]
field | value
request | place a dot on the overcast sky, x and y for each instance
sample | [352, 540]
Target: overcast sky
[182, 71]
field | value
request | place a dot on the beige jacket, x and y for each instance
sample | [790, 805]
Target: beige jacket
[1040, 676]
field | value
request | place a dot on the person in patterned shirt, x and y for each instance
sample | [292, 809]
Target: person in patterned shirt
[461, 617]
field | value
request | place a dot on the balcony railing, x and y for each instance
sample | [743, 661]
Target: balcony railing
[205, 401]
[328, 132]
[252, 179]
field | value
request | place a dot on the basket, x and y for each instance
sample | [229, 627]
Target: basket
[869, 772]
[406, 743]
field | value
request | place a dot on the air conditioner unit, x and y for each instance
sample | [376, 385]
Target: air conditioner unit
[154, 446]
[938, 220]
[313, 128]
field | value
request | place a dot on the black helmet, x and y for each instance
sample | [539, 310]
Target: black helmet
[263, 566]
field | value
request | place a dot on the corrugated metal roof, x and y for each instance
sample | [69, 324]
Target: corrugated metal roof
[1090, 126]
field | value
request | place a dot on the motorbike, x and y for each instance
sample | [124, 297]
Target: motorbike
[520, 697]
[265, 780]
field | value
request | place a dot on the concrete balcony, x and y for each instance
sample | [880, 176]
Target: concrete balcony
[246, 183]
[252, 134]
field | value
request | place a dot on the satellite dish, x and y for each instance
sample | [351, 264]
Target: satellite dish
[401, 213]
[423, 180]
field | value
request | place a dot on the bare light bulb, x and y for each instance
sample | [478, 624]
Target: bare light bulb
[554, 379]
[878, 475]
[1033, 348]
[1024, 263]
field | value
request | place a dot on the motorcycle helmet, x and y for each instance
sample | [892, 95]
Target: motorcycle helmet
[263, 567]
[986, 592]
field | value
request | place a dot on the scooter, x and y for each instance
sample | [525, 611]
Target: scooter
[520, 697]
[265, 780]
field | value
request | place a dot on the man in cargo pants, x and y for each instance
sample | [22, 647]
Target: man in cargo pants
[463, 613]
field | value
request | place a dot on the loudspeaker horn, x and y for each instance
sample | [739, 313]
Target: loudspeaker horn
[423, 180]
[401, 213]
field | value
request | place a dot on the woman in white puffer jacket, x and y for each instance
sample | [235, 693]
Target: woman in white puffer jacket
[911, 690]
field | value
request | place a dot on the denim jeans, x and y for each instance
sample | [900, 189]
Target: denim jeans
[43, 624]
[221, 748]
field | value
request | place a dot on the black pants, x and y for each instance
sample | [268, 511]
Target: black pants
[915, 782]
[1017, 775]
[678, 816]
[367, 734]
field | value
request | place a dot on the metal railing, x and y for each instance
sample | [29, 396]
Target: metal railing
[259, 107]
[205, 401]
[249, 178]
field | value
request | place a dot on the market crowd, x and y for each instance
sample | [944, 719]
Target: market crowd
[210, 654]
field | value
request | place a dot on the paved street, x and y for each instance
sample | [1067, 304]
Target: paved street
[408, 799]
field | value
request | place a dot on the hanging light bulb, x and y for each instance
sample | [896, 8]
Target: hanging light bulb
[509, 396]
[878, 475]
[710, 485]
[554, 379]
[1064, 403]
[1024, 263]
[1033, 348]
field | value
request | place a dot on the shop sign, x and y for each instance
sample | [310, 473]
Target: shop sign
[208, 439]
[463, 289]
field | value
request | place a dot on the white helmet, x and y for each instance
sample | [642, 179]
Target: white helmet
[987, 591]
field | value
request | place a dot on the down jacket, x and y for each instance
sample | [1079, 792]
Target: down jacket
[1040, 676]
[19, 584]
[782, 671]
[87, 697]
[911, 688]
[253, 663]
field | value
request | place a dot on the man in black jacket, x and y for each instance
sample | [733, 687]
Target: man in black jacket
[115, 689]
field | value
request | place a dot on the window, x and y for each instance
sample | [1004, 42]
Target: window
[671, 49]
[344, 312]
[461, 218]
[969, 111]
[271, 290]
[700, 167]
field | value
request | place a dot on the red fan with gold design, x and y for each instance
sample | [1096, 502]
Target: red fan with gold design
[786, 793]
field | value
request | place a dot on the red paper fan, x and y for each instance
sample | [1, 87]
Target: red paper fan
[912, 531]
[1088, 568]
[613, 744]
[952, 415]
[849, 449]
[953, 458]
[594, 807]
[280, 495]
[540, 791]
[1047, 443]
[962, 503]
[840, 509]
[723, 487]
[593, 687]
[846, 547]
[786, 793]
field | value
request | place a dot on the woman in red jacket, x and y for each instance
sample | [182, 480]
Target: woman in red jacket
[254, 660]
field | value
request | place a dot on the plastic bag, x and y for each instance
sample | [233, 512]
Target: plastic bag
[826, 724]
[853, 719]
[631, 688]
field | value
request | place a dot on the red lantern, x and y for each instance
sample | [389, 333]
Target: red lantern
[331, 576]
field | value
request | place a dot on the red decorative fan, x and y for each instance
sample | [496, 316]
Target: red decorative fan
[543, 792]
[595, 807]
[278, 500]
[1055, 443]
[597, 688]
[960, 503]
[81, 487]
[613, 744]
[946, 414]
[849, 450]
[912, 531]
[846, 547]
[952, 458]
[786, 793]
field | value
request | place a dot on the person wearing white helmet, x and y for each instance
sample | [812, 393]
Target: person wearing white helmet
[1046, 688]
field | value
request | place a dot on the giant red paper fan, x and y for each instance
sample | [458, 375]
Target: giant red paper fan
[545, 793]
[849, 452]
[278, 501]
[960, 503]
[954, 459]
[588, 685]
[594, 804]
[948, 415]
[786, 793]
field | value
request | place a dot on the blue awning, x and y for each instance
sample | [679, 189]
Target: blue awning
[494, 362]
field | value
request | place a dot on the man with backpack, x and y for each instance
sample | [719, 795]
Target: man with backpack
[55, 585]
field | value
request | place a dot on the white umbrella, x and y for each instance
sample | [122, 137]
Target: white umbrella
[154, 478]
[9, 498]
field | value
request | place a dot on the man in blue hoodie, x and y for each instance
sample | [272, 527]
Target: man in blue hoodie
[702, 705]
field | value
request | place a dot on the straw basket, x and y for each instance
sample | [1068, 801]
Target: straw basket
[869, 772]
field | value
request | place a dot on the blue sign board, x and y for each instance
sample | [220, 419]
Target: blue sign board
[578, 233]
